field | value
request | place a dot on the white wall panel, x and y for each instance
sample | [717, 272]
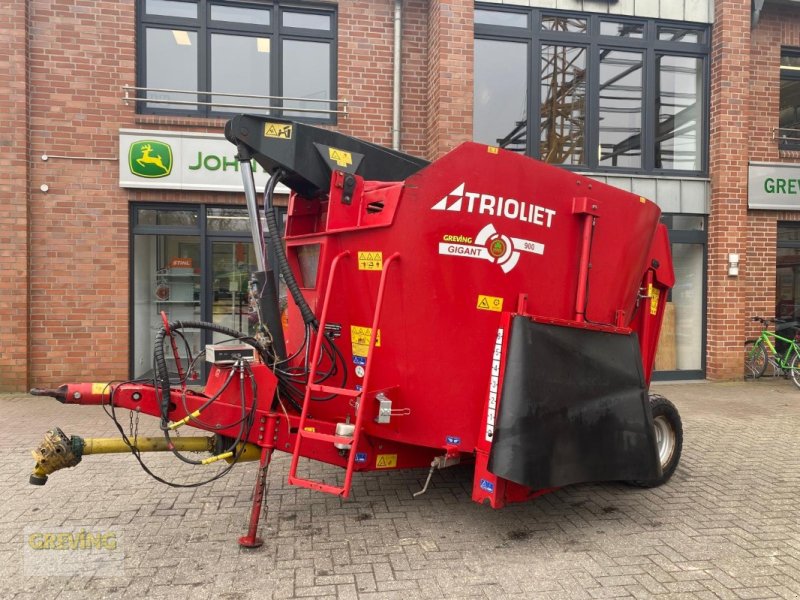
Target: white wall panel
[671, 9]
[568, 4]
[648, 8]
[622, 7]
[697, 11]
[700, 11]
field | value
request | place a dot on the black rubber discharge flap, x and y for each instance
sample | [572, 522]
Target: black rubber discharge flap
[573, 409]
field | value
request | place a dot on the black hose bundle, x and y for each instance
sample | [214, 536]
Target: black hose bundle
[161, 373]
[276, 241]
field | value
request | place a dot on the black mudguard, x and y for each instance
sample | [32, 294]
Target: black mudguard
[573, 408]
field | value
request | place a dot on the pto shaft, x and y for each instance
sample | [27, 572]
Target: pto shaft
[58, 451]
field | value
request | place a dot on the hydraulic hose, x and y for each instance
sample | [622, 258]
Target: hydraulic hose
[162, 376]
[276, 240]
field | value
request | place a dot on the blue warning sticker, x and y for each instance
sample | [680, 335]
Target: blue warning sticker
[358, 387]
[453, 440]
[361, 457]
[487, 486]
[360, 360]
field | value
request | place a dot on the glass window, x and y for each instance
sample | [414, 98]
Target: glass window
[173, 218]
[306, 74]
[688, 222]
[504, 18]
[500, 96]
[788, 284]
[230, 219]
[171, 8]
[177, 73]
[622, 29]
[620, 127]
[680, 345]
[218, 58]
[232, 265]
[585, 83]
[787, 287]
[307, 20]
[789, 119]
[238, 14]
[248, 74]
[679, 101]
[564, 23]
[562, 118]
[166, 277]
[680, 34]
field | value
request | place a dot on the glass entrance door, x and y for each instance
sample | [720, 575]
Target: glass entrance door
[232, 263]
[166, 278]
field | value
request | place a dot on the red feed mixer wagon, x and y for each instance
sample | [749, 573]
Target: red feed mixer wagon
[484, 308]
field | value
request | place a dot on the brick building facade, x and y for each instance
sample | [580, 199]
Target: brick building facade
[66, 230]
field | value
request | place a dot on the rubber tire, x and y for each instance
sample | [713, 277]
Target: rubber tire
[755, 359]
[794, 369]
[664, 409]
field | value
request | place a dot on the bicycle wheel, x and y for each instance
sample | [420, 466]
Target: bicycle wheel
[755, 359]
[794, 368]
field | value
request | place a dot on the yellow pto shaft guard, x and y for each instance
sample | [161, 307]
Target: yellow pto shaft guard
[58, 451]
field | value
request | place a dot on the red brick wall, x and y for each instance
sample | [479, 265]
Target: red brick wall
[414, 79]
[13, 197]
[365, 68]
[744, 113]
[730, 114]
[81, 53]
[450, 74]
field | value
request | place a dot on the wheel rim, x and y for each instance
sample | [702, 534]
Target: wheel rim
[665, 440]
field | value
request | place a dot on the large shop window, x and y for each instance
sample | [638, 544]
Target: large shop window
[194, 264]
[787, 285]
[789, 122]
[213, 58]
[681, 346]
[592, 92]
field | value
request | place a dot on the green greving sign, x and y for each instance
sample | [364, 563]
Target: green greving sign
[773, 186]
[150, 158]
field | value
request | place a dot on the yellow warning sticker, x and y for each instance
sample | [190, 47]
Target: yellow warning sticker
[654, 294]
[642, 199]
[100, 388]
[340, 157]
[359, 336]
[281, 131]
[370, 261]
[492, 149]
[386, 461]
[492, 303]
[311, 429]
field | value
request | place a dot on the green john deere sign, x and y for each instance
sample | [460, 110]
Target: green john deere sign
[150, 158]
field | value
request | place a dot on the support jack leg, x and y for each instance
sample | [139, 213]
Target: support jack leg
[251, 540]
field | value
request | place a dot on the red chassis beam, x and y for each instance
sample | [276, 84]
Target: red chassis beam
[272, 429]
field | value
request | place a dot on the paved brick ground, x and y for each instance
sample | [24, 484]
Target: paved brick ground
[726, 526]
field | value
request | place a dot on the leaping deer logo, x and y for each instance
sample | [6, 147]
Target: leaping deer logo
[150, 158]
[146, 159]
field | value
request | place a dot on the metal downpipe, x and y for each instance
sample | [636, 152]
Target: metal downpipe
[397, 54]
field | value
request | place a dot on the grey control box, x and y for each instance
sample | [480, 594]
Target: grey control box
[227, 354]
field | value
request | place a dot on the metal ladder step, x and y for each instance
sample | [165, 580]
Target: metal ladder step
[326, 437]
[328, 389]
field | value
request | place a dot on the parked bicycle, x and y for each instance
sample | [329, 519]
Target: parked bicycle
[779, 349]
